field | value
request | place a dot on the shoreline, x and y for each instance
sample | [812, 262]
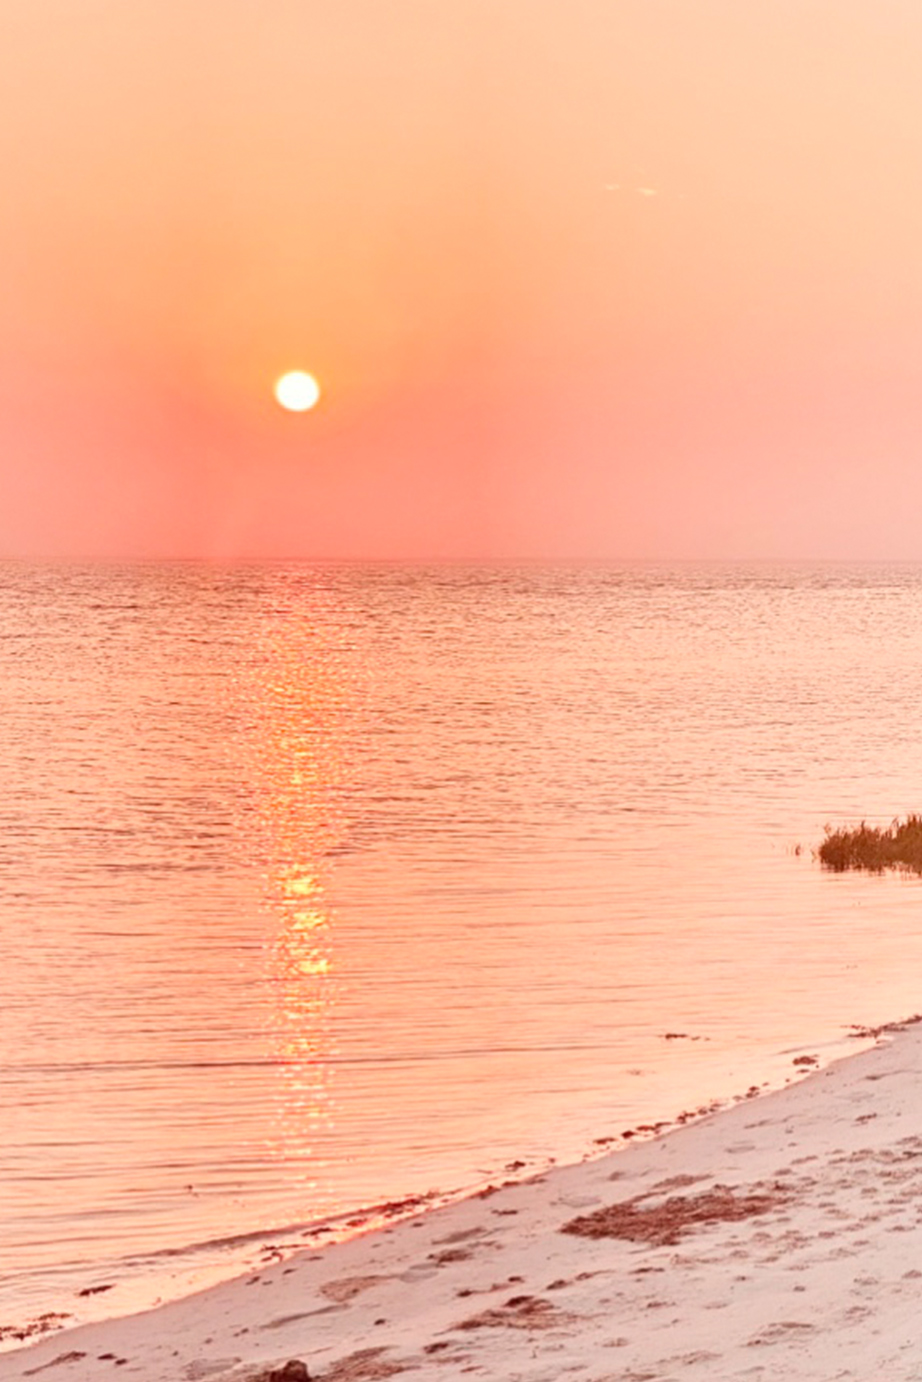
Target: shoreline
[88, 1300]
[777, 1235]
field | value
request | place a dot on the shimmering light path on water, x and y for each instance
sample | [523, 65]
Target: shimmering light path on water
[323, 886]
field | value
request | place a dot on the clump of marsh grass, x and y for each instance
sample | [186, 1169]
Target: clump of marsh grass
[873, 848]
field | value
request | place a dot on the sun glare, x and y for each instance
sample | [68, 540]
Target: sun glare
[297, 391]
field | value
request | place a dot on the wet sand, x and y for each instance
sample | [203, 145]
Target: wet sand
[781, 1237]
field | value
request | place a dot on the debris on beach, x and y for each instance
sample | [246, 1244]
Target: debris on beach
[292, 1371]
[519, 1312]
[44, 1324]
[663, 1225]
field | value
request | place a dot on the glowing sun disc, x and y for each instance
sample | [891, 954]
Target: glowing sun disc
[297, 391]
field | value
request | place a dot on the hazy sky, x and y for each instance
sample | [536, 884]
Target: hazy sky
[580, 278]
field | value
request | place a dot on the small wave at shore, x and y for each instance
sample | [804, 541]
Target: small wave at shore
[78, 1293]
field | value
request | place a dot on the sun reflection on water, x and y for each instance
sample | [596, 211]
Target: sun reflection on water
[300, 964]
[300, 770]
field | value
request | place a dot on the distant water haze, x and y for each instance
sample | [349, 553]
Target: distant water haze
[322, 886]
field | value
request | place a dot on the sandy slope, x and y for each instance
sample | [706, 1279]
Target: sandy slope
[780, 1238]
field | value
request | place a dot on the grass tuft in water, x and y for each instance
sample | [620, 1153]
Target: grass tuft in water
[872, 848]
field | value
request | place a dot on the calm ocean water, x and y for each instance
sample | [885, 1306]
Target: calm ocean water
[324, 886]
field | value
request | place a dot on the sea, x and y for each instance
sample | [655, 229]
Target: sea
[328, 891]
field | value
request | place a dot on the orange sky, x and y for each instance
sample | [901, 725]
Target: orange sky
[436, 206]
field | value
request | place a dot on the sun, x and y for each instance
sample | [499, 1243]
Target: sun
[297, 391]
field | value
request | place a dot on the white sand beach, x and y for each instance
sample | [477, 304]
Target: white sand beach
[777, 1238]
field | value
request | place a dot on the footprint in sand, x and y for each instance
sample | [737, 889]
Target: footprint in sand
[781, 1332]
[348, 1287]
[72, 1357]
[200, 1368]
